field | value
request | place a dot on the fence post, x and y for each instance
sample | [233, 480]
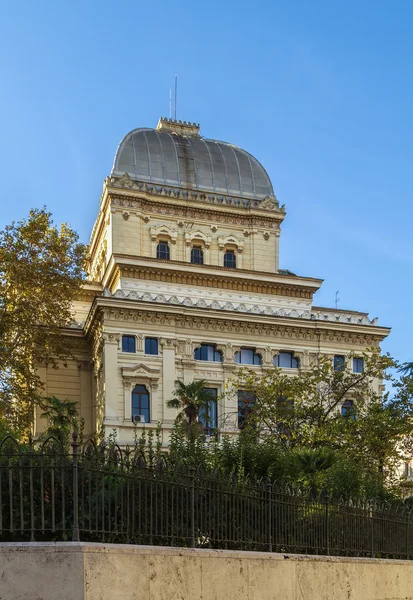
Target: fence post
[192, 508]
[327, 526]
[407, 535]
[371, 533]
[269, 517]
[75, 448]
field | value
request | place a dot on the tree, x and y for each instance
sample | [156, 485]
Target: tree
[61, 416]
[41, 273]
[190, 399]
[305, 411]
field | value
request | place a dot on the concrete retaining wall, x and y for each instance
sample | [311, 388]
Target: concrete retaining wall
[80, 571]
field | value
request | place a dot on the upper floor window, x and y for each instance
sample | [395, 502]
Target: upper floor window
[339, 362]
[286, 360]
[247, 356]
[151, 345]
[230, 259]
[128, 343]
[246, 402]
[358, 365]
[197, 255]
[347, 408]
[162, 251]
[140, 403]
[208, 413]
[208, 352]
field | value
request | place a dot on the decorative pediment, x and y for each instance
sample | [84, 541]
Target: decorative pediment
[124, 182]
[194, 236]
[163, 231]
[140, 371]
[230, 240]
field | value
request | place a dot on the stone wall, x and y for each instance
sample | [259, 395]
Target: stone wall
[80, 571]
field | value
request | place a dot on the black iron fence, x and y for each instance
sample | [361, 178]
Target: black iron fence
[105, 494]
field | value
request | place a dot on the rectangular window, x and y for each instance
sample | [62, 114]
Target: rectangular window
[247, 356]
[246, 402]
[128, 343]
[339, 362]
[151, 346]
[347, 409]
[208, 413]
[358, 365]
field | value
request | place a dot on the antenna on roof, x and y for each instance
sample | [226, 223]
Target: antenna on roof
[170, 103]
[176, 93]
[337, 298]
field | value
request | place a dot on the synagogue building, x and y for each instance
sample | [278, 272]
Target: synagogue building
[185, 283]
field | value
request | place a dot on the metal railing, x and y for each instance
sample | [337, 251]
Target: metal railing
[105, 494]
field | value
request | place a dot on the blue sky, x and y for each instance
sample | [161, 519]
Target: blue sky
[320, 92]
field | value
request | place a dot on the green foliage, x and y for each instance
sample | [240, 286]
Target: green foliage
[62, 419]
[41, 272]
[189, 399]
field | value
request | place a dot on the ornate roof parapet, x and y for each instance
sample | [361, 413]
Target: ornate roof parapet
[125, 182]
[180, 127]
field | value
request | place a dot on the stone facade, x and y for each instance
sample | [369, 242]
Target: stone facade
[135, 291]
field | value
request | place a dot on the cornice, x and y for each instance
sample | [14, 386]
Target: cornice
[113, 309]
[211, 276]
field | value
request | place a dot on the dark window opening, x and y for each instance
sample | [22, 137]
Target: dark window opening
[347, 409]
[246, 402]
[197, 255]
[208, 352]
[247, 356]
[230, 259]
[140, 403]
[339, 363]
[208, 413]
[286, 360]
[162, 251]
[151, 345]
[128, 343]
[358, 365]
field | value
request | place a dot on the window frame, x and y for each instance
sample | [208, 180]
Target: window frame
[151, 339]
[131, 338]
[159, 251]
[140, 409]
[210, 430]
[201, 254]
[293, 359]
[244, 411]
[256, 358]
[346, 409]
[232, 253]
[358, 360]
[207, 347]
[336, 360]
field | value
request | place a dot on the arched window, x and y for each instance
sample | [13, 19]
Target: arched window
[339, 362]
[286, 360]
[208, 412]
[197, 255]
[140, 403]
[247, 356]
[208, 352]
[162, 251]
[230, 259]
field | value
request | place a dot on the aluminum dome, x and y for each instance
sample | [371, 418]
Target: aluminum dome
[191, 162]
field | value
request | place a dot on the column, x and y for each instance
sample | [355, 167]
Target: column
[168, 377]
[110, 374]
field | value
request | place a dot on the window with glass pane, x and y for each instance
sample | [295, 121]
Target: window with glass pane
[140, 402]
[208, 413]
[286, 360]
[358, 365]
[197, 255]
[162, 251]
[207, 352]
[151, 345]
[247, 356]
[347, 409]
[128, 343]
[246, 402]
[339, 362]
[230, 260]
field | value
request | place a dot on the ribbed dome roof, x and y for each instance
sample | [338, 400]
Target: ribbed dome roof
[190, 161]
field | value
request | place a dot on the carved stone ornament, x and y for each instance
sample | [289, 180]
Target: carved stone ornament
[140, 371]
[124, 182]
[125, 215]
[269, 203]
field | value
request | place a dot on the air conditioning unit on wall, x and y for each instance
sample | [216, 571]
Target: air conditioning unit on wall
[138, 419]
